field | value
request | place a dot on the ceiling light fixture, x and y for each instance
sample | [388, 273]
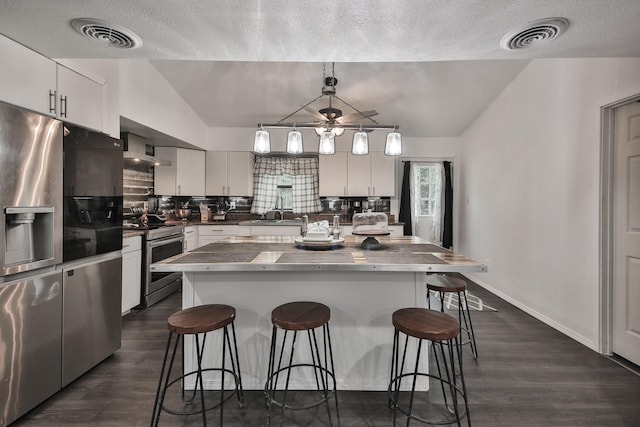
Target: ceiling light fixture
[261, 142]
[330, 121]
[294, 142]
[327, 143]
[360, 145]
[393, 145]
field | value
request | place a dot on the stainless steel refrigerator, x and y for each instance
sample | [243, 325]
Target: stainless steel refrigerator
[49, 308]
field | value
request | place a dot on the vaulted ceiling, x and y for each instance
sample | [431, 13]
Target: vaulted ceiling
[430, 66]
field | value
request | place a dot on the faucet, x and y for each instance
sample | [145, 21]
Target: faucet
[279, 206]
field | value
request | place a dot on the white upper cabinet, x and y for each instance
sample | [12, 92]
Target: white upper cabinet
[358, 176]
[185, 176]
[383, 174]
[229, 173]
[344, 174]
[32, 81]
[333, 174]
[79, 99]
[26, 78]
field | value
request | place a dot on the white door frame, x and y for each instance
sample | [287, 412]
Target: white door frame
[607, 161]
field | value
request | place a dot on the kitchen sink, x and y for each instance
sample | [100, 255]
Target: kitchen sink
[297, 222]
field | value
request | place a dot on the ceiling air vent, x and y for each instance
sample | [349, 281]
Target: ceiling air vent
[104, 32]
[534, 33]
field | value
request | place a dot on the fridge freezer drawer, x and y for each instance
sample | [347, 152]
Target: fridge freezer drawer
[30, 342]
[91, 315]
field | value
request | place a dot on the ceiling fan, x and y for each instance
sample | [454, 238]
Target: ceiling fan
[331, 117]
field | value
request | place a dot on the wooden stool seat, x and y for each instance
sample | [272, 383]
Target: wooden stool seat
[426, 324]
[442, 283]
[201, 319]
[300, 315]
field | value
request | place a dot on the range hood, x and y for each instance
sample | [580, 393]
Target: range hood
[137, 151]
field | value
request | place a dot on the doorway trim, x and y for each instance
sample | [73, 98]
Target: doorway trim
[607, 160]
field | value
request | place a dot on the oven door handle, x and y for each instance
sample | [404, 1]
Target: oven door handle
[161, 242]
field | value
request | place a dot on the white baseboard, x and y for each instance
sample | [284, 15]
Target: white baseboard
[541, 317]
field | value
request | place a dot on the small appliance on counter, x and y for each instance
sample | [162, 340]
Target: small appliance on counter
[371, 224]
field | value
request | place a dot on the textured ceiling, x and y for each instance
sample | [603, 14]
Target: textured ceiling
[430, 66]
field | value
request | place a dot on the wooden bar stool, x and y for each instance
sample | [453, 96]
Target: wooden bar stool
[195, 321]
[443, 331]
[448, 285]
[299, 317]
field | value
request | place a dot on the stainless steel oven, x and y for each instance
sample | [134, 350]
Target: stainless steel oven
[162, 242]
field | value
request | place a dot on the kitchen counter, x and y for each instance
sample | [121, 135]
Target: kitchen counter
[281, 253]
[362, 288]
[133, 233]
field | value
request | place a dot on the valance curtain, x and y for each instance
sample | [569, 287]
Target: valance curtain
[305, 177]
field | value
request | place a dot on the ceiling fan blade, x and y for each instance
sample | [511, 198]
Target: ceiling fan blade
[355, 116]
[316, 113]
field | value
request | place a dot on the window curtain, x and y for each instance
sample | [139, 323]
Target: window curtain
[406, 212]
[447, 227]
[435, 234]
[306, 185]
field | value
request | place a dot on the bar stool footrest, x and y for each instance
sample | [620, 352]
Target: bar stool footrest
[330, 392]
[232, 393]
[458, 390]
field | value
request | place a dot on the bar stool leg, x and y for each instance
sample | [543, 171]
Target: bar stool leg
[160, 393]
[327, 337]
[468, 325]
[235, 367]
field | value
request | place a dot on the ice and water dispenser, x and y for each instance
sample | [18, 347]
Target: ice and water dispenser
[29, 238]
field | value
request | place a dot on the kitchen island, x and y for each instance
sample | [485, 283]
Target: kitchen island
[362, 288]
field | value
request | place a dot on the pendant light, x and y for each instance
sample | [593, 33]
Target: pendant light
[327, 143]
[261, 143]
[360, 145]
[294, 142]
[393, 146]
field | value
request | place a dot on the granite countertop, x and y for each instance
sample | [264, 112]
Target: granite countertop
[133, 233]
[282, 253]
[238, 221]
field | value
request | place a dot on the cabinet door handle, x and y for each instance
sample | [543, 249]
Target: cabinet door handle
[52, 101]
[344, 191]
[63, 106]
[374, 191]
[178, 188]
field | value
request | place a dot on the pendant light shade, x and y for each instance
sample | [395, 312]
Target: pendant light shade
[319, 130]
[294, 142]
[337, 131]
[327, 143]
[261, 143]
[393, 146]
[360, 144]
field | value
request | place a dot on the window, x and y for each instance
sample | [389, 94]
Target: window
[285, 190]
[426, 183]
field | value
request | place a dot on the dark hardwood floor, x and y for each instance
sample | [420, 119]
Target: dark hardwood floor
[527, 374]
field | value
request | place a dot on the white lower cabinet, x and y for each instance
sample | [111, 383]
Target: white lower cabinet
[275, 230]
[212, 233]
[131, 272]
[190, 238]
